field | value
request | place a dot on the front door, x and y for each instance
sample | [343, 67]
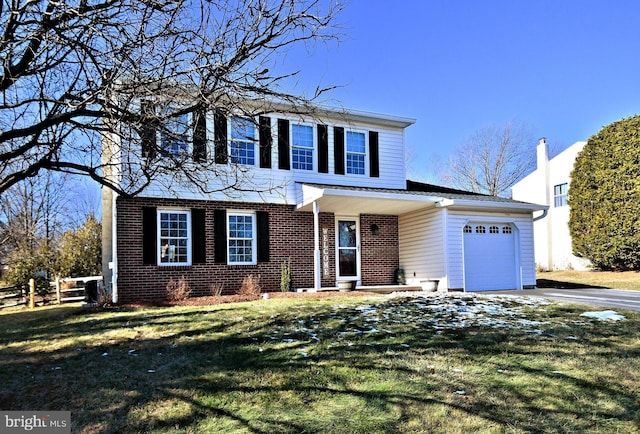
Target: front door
[348, 248]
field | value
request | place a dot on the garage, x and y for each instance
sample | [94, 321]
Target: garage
[490, 259]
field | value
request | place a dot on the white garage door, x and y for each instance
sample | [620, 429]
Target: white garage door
[489, 257]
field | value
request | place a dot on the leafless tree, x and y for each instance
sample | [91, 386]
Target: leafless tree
[492, 159]
[72, 71]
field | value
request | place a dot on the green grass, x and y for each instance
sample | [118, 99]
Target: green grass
[341, 365]
[603, 279]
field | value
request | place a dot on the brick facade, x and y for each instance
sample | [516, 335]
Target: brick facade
[290, 236]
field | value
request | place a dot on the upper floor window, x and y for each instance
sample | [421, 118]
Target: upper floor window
[560, 194]
[243, 141]
[174, 233]
[302, 147]
[356, 152]
[241, 238]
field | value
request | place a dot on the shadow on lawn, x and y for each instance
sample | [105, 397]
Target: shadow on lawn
[547, 283]
[255, 379]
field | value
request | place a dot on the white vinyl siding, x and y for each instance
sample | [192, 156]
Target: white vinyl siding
[421, 242]
[256, 184]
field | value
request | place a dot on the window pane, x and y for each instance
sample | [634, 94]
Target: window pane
[302, 136]
[242, 129]
[243, 153]
[355, 142]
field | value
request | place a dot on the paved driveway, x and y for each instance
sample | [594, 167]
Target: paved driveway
[605, 298]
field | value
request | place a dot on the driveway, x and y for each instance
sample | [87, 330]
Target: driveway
[605, 298]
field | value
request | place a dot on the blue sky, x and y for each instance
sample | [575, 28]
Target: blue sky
[564, 67]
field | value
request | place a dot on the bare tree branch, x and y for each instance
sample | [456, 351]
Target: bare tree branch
[72, 72]
[492, 159]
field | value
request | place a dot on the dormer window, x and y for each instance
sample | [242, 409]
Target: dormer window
[243, 141]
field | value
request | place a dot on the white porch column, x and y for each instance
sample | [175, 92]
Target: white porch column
[316, 246]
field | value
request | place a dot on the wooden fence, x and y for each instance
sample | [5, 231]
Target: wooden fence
[59, 291]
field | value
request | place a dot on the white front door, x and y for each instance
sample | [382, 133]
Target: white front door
[348, 248]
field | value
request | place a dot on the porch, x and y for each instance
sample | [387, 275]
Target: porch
[378, 289]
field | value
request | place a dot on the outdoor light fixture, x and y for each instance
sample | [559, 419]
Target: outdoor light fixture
[375, 230]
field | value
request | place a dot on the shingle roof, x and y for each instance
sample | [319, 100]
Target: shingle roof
[423, 189]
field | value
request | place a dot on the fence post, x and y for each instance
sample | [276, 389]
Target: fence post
[32, 293]
[58, 289]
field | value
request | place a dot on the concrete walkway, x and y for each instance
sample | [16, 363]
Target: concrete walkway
[607, 298]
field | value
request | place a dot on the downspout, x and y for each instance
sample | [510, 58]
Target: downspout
[541, 216]
[114, 250]
[316, 246]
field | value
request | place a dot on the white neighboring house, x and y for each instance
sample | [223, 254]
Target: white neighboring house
[549, 184]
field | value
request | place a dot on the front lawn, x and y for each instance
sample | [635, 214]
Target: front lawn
[378, 364]
[600, 279]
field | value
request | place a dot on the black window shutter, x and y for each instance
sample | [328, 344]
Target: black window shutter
[265, 142]
[220, 235]
[323, 149]
[220, 137]
[338, 149]
[283, 145]
[262, 227]
[374, 155]
[198, 236]
[149, 235]
[148, 133]
[200, 136]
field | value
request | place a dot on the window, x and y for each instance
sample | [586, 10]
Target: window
[494, 230]
[467, 229]
[302, 147]
[174, 136]
[356, 152]
[506, 230]
[241, 238]
[174, 237]
[481, 230]
[243, 138]
[560, 194]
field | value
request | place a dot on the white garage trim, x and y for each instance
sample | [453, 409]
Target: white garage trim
[491, 256]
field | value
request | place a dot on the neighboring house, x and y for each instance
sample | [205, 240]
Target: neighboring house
[549, 184]
[329, 192]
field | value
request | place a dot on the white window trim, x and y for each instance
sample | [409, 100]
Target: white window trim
[366, 152]
[254, 239]
[561, 195]
[314, 150]
[158, 238]
[255, 141]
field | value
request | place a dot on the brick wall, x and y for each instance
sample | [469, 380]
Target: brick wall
[291, 236]
[379, 249]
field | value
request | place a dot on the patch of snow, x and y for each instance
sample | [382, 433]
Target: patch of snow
[604, 315]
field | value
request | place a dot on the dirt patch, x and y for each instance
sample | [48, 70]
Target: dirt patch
[222, 299]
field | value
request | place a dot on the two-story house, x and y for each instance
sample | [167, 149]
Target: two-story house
[327, 191]
[549, 184]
